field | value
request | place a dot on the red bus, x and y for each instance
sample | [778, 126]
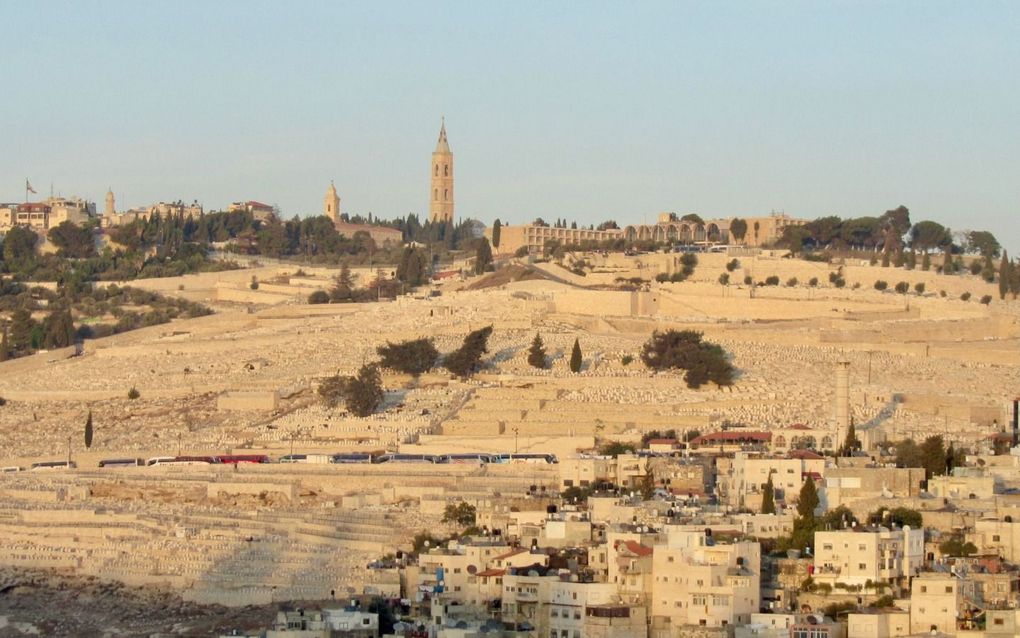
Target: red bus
[243, 458]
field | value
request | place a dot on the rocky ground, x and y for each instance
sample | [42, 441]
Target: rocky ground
[43, 604]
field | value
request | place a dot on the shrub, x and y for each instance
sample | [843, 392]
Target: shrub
[987, 299]
[772, 280]
[919, 288]
[724, 278]
[627, 360]
[881, 285]
[319, 296]
[902, 287]
[616, 448]
[942, 293]
[133, 393]
[791, 282]
[839, 282]
[748, 280]
[684, 350]
[965, 296]
[732, 265]
[813, 281]
[254, 285]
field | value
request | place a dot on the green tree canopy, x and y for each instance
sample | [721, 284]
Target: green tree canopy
[483, 256]
[536, 353]
[929, 235]
[685, 350]
[415, 356]
[768, 497]
[575, 357]
[72, 240]
[467, 359]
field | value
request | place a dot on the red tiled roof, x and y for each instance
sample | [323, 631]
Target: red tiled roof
[720, 437]
[804, 454]
[800, 426]
[491, 572]
[255, 204]
[637, 548]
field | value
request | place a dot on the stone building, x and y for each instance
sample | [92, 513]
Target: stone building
[441, 200]
[859, 555]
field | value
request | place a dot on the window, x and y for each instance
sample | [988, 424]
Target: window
[435, 194]
[437, 170]
[446, 170]
[862, 565]
[995, 538]
[949, 589]
[924, 589]
[446, 194]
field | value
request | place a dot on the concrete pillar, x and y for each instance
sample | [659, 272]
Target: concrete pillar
[842, 400]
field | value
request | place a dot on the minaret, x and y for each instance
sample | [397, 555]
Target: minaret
[331, 207]
[441, 193]
[110, 208]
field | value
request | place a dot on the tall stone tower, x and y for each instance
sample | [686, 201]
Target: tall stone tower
[331, 206]
[441, 193]
[111, 209]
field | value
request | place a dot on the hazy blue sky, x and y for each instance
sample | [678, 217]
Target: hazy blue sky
[588, 111]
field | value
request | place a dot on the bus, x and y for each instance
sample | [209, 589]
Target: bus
[182, 460]
[121, 463]
[467, 458]
[306, 458]
[234, 459]
[53, 465]
[353, 457]
[409, 458]
[526, 458]
[10, 469]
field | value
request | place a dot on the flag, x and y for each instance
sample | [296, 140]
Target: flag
[28, 186]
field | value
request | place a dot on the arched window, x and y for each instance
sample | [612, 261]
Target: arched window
[435, 194]
[446, 170]
[437, 170]
[446, 194]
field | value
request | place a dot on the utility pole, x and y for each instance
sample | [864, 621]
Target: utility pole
[69, 452]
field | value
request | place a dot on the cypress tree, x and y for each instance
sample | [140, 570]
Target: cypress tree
[5, 352]
[1004, 275]
[768, 497]
[88, 431]
[483, 256]
[850, 443]
[807, 501]
[496, 228]
[575, 357]
[536, 353]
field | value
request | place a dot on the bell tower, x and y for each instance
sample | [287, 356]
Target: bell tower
[441, 171]
[331, 205]
[111, 209]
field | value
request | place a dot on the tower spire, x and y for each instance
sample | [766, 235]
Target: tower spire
[441, 173]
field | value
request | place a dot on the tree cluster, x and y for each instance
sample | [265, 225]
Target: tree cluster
[361, 394]
[685, 350]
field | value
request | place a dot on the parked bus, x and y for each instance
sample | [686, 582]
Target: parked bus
[53, 465]
[526, 458]
[409, 458]
[243, 458]
[353, 457]
[121, 462]
[10, 469]
[306, 458]
[182, 460]
[467, 458]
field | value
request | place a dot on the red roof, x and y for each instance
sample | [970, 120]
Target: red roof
[804, 454]
[637, 548]
[723, 437]
[800, 426]
[255, 204]
[491, 572]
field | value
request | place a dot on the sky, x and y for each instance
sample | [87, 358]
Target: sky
[586, 111]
